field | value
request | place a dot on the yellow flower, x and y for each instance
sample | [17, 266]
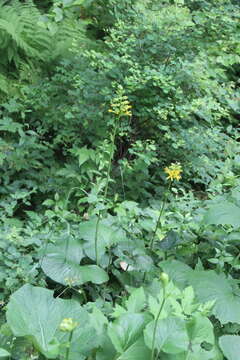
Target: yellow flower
[120, 104]
[173, 171]
[68, 325]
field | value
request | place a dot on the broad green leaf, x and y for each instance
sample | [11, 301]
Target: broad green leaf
[85, 338]
[4, 353]
[230, 346]
[107, 350]
[137, 351]
[171, 335]
[187, 300]
[224, 213]
[126, 330]
[171, 240]
[83, 155]
[199, 354]
[62, 264]
[200, 329]
[66, 272]
[209, 286]
[177, 272]
[34, 312]
[87, 231]
[136, 301]
[58, 14]
[98, 319]
[70, 247]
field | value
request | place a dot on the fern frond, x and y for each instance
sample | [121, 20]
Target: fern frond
[4, 84]
[20, 33]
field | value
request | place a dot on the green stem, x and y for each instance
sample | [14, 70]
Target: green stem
[160, 215]
[156, 322]
[61, 293]
[106, 187]
[82, 293]
[69, 345]
[96, 238]
[111, 157]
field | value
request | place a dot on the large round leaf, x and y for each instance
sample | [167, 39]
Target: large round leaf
[34, 312]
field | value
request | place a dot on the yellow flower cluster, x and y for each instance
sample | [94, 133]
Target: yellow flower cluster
[120, 104]
[68, 325]
[173, 171]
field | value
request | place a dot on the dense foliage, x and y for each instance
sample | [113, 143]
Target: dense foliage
[119, 189]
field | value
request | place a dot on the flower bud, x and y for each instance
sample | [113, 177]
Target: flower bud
[164, 278]
[68, 325]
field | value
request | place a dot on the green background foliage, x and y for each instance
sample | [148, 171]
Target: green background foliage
[89, 219]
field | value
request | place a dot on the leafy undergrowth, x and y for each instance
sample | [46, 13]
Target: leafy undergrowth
[177, 299]
[120, 189]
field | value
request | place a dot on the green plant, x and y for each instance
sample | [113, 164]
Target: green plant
[174, 173]
[19, 257]
[120, 107]
[100, 260]
[164, 278]
[130, 333]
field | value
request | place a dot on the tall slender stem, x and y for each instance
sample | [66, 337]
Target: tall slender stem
[111, 157]
[69, 345]
[96, 238]
[156, 322]
[106, 186]
[160, 215]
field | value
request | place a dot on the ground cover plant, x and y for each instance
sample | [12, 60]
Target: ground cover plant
[119, 184]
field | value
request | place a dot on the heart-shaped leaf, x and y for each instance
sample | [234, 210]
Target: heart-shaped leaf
[62, 264]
